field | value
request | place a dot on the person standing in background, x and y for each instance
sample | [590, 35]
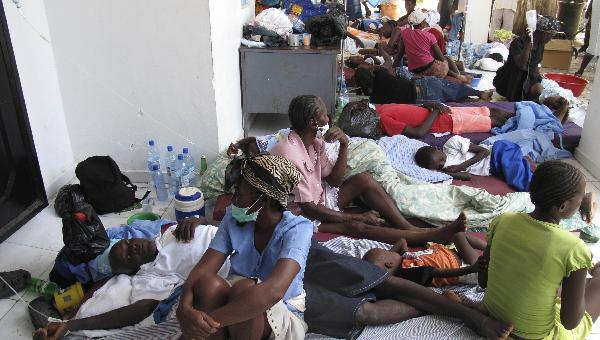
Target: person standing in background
[503, 16]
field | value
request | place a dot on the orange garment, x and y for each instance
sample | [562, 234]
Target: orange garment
[436, 256]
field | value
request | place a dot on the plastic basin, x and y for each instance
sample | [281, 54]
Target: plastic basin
[569, 82]
[148, 216]
[476, 80]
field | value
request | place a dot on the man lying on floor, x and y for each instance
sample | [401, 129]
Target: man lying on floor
[160, 266]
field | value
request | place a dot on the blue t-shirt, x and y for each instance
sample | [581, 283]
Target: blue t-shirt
[290, 240]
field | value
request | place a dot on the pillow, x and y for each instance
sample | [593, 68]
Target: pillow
[400, 150]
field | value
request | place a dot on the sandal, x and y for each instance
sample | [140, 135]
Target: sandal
[17, 279]
[42, 305]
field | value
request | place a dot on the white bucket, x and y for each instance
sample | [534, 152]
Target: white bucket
[188, 202]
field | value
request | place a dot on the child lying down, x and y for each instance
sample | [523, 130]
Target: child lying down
[162, 265]
[460, 159]
[435, 266]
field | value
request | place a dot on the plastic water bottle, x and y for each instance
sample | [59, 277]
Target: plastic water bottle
[170, 158]
[176, 170]
[39, 286]
[159, 183]
[152, 157]
[188, 169]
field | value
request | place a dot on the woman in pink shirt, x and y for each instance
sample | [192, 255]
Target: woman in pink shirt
[323, 193]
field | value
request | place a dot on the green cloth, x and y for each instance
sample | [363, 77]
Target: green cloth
[528, 261]
[437, 204]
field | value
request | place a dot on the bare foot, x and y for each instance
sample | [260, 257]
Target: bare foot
[466, 79]
[493, 329]
[452, 296]
[486, 95]
[446, 234]
[403, 246]
[588, 207]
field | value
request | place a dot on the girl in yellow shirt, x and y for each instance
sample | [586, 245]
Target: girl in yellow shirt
[536, 277]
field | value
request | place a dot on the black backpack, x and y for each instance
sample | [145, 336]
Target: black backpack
[105, 187]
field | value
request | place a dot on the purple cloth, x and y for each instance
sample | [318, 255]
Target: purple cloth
[571, 135]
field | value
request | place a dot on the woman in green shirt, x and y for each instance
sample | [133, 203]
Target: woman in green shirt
[536, 277]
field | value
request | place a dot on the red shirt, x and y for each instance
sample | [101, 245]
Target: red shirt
[395, 117]
[439, 36]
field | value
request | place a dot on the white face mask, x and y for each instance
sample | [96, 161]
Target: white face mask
[321, 130]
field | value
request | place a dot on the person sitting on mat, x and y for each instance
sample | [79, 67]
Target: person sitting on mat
[415, 121]
[324, 203]
[460, 159]
[435, 266]
[537, 274]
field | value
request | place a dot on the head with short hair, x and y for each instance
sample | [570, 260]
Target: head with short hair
[557, 187]
[431, 158]
[307, 111]
[383, 259]
[387, 28]
[364, 78]
[409, 5]
[128, 255]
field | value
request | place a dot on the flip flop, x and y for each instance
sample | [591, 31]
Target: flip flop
[43, 305]
[17, 280]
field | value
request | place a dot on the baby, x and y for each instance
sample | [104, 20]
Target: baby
[435, 266]
[460, 159]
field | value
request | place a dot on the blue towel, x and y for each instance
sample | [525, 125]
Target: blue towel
[534, 144]
[507, 162]
[530, 115]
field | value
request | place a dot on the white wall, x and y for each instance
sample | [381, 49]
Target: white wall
[39, 81]
[477, 23]
[134, 70]
[588, 152]
[226, 21]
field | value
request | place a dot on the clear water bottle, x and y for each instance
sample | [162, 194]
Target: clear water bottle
[42, 287]
[188, 169]
[170, 158]
[159, 183]
[152, 157]
[176, 170]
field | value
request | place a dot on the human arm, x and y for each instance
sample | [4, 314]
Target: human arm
[463, 175]
[336, 177]
[118, 318]
[437, 53]
[357, 40]
[572, 307]
[367, 9]
[480, 153]
[482, 277]
[435, 109]
[399, 54]
[521, 51]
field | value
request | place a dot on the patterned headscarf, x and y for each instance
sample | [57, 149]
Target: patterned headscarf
[272, 175]
[416, 17]
[546, 23]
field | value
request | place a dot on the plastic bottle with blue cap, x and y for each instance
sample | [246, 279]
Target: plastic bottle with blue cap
[159, 183]
[170, 159]
[188, 170]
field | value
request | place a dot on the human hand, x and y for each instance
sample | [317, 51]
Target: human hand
[455, 168]
[335, 133]
[233, 150]
[54, 331]
[371, 217]
[195, 324]
[185, 229]
[481, 264]
[440, 108]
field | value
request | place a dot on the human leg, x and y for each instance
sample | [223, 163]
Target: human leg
[257, 328]
[499, 117]
[466, 252]
[384, 312]
[584, 63]
[363, 185]
[508, 163]
[211, 293]
[356, 229]
[495, 23]
[454, 92]
[426, 300]
[508, 19]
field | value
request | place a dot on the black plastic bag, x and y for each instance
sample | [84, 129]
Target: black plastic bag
[359, 120]
[329, 28]
[68, 200]
[84, 235]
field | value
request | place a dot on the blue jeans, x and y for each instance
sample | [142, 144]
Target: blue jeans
[433, 89]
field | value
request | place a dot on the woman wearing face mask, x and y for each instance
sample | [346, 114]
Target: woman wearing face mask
[263, 297]
[323, 192]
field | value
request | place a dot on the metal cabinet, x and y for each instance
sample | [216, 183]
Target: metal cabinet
[272, 77]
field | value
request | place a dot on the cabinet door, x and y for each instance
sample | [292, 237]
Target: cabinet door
[22, 192]
[270, 80]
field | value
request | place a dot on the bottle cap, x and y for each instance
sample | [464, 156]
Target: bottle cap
[186, 150]
[169, 147]
[151, 142]
[155, 167]
[180, 157]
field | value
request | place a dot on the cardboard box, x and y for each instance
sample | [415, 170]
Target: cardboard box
[557, 54]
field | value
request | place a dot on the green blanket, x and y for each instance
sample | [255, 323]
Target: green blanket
[437, 204]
